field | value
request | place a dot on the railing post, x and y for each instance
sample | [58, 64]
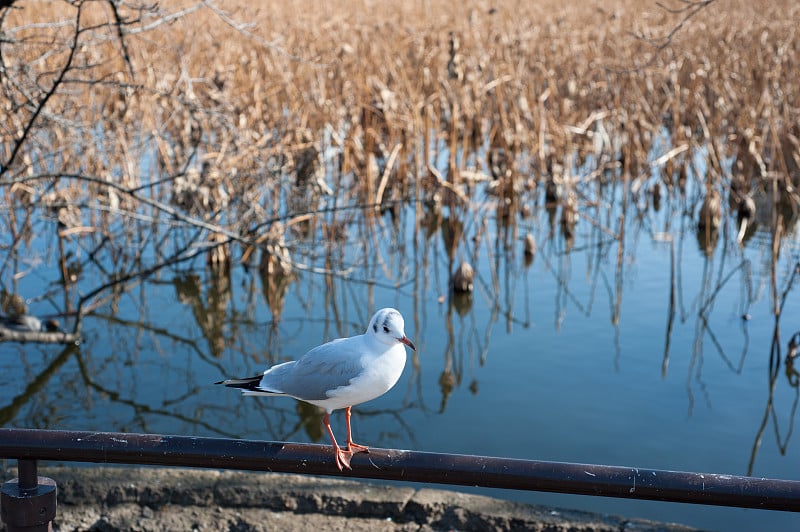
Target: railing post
[29, 501]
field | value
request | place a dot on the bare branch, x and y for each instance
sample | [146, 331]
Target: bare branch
[19, 143]
[244, 29]
[161, 206]
[40, 337]
[689, 9]
[119, 23]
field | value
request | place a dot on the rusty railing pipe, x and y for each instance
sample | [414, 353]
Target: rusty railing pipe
[388, 464]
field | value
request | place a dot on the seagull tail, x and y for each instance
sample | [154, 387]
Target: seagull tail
[249, 386]
[249, 383]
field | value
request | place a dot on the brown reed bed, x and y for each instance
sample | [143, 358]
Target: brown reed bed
[229, 115]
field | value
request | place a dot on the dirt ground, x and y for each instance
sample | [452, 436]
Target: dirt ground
[155, 499]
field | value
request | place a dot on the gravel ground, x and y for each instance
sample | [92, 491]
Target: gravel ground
[155, 499]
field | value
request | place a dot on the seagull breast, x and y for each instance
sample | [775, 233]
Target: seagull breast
[378, 374]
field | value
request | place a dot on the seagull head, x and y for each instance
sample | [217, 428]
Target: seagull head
[387, 326]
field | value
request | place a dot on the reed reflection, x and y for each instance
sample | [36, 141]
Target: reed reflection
[500, 287]
[35, 387]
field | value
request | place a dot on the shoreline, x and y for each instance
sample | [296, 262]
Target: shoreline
[155, 498]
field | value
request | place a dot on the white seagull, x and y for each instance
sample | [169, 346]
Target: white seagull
[340, 374]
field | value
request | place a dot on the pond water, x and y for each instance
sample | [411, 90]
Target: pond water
[640, 351]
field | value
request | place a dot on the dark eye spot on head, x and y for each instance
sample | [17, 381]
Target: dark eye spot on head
[386, 329]
[375, 327]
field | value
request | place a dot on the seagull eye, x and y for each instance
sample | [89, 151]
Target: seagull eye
[386, 329]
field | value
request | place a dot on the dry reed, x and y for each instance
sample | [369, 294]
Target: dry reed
[236, 113]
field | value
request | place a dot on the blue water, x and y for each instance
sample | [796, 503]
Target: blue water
[565, 359]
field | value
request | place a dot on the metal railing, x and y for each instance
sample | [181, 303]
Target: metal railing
[28, 446]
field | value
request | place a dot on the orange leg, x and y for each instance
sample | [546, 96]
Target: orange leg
[342, 456]
[351, 445]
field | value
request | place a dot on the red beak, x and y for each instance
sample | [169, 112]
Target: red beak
[409, 343]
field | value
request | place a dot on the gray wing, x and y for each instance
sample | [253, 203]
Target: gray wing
[319, 371]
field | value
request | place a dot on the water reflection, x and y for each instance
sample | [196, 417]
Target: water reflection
[208, 302]
[163, 313]
[34, 387]
[782, 418]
